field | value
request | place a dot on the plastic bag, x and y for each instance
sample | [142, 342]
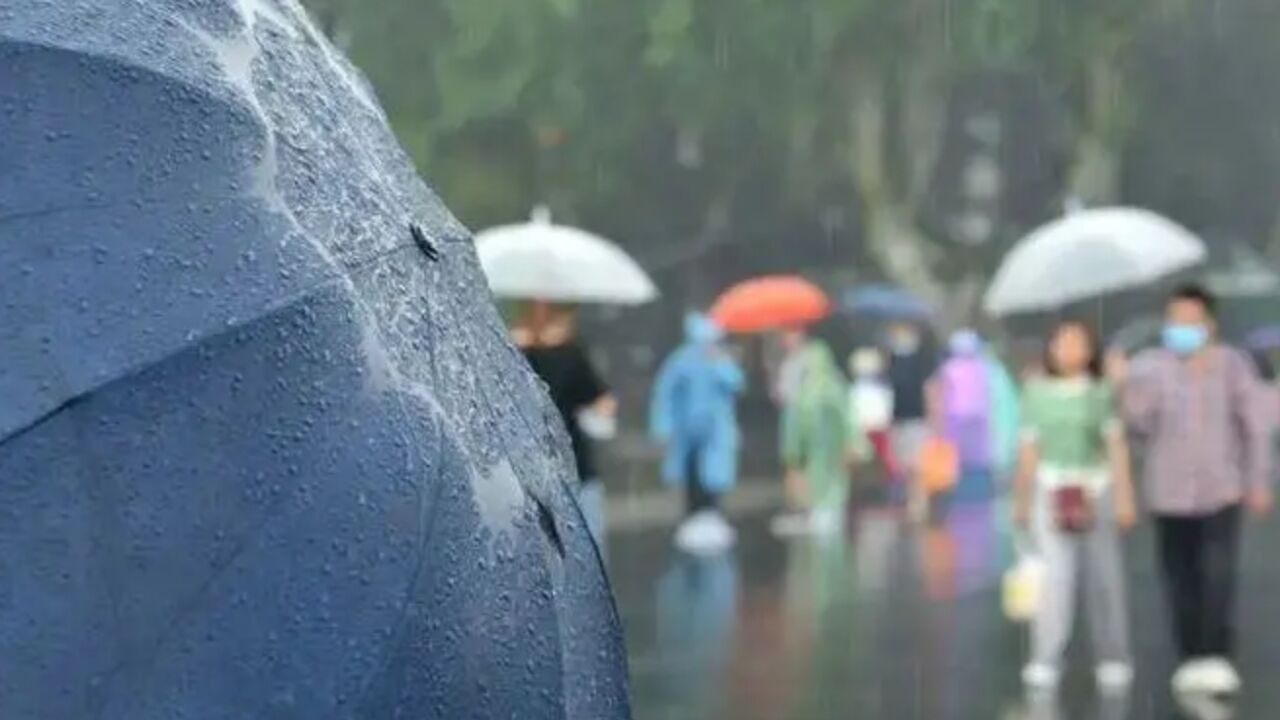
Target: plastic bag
[939, 465]
[1022, 588]
[597, 425]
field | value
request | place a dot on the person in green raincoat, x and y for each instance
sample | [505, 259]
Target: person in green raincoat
[817, 436]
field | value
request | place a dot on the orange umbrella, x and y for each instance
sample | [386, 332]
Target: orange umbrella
[769, 303]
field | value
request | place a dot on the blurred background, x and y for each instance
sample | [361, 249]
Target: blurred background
[911, 141]
[908, 142]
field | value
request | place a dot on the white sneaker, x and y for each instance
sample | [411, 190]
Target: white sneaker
[705, 533]
[1114, 675]
[1220, 677]
[722, 529]
[1040, 676]
[1191, 677]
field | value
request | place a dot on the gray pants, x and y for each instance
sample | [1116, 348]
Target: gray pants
[1093, 556]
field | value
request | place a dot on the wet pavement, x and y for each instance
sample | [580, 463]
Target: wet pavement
[894, 622]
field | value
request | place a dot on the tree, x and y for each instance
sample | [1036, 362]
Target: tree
[683, 126]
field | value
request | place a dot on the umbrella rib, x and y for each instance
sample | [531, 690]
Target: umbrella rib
[53, 210]
[150, 654]
[36, 422]
[271, 310]
[429, 527]
[141, 367]
[193, 601]
[428, 531]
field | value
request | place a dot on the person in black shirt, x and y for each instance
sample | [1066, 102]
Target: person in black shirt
[547, 339]
[911, 365]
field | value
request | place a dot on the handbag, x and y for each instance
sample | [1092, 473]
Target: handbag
[1073, 509]
[1022, 586]
[939, 465]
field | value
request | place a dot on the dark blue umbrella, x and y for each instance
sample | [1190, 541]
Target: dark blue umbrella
[885, 301]
[264, 448]
[1264, 339]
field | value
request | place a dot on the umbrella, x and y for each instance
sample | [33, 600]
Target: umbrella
[264, 448]
[768, 303]
[886, 301]
[1090, 253]
[1138, 334]
[1264, 339]
[556, 262]
[1237, 271]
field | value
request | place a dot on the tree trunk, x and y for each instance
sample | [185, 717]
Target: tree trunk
[905, 254]
[1094, 176]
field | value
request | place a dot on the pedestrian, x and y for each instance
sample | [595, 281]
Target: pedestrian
[816, 438]
[791, 343]
[1199, 408]
[871, 409]
[910, 365]
[784, 364]
[547, 335]
[693, 416]
[1074, 494]
[961, 404]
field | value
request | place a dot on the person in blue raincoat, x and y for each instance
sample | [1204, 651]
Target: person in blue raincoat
[694, 417]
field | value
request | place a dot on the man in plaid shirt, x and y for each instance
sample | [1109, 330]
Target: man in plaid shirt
[1198, 407]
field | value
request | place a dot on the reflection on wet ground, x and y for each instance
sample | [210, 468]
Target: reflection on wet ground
[891, 621]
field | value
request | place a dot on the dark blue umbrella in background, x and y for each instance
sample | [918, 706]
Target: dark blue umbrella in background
[1264, 339]
[264, 448]
[887, 302]
[1263, 345]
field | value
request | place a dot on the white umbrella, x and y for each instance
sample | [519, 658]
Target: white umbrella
[1090, 253]
[541, 260]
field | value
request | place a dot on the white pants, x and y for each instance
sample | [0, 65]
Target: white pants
[908, 438]
[1093, 555]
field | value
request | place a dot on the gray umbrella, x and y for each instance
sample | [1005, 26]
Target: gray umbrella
[264, 448]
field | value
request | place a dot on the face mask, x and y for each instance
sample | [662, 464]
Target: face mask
[1184, 339]
[965, 343]
[903, 343]
[867, 366]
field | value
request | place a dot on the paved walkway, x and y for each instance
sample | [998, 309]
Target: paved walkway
[892, 622]
[652, 509]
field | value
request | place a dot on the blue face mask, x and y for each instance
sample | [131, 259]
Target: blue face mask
[1184, 339]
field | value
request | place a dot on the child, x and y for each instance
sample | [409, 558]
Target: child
[871, 407]
[1074, 493]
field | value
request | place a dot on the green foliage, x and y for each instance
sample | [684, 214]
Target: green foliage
[506, 103]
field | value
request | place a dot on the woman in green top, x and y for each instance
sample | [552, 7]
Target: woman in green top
[1074, 494]
[817, 436]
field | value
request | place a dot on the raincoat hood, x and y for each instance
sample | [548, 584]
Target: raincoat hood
[965, 343]
[821, 375]
[700, 329]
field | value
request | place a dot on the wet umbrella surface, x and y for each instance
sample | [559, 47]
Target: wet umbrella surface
[264, 448]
